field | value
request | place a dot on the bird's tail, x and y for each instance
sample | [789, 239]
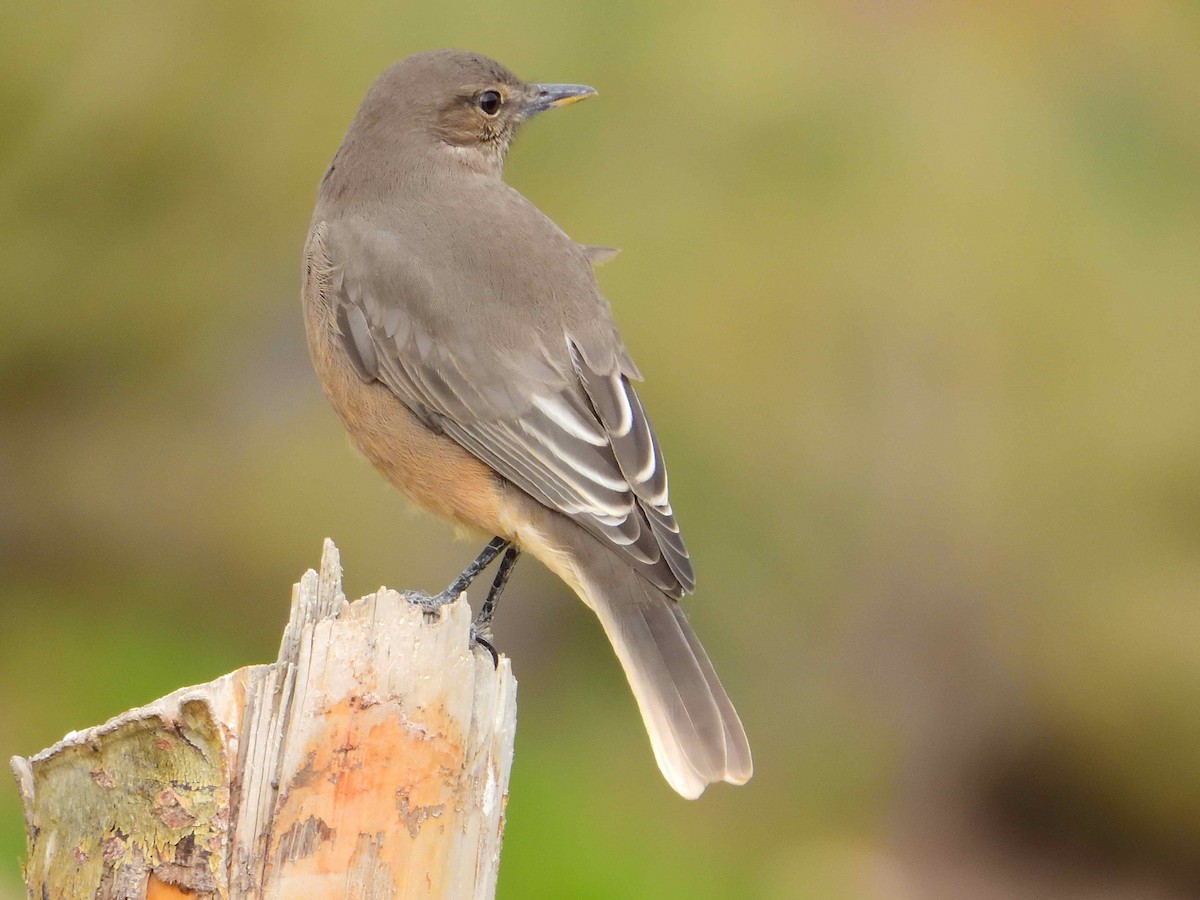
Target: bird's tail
[696, 734]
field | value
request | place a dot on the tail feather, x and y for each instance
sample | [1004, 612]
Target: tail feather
[694, 730]
[738, 764]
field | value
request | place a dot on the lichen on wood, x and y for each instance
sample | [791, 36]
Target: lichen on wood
[371, 760]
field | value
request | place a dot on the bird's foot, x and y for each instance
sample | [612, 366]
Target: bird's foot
[481, 628]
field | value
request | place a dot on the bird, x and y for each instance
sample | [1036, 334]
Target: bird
[463, 340]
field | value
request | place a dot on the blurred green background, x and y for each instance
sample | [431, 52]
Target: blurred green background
[916, 286]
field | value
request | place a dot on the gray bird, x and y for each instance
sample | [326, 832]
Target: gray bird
[462, 339]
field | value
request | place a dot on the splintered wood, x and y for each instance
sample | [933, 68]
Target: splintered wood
[370, 761]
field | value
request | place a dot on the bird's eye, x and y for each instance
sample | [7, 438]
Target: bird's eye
[489, 102]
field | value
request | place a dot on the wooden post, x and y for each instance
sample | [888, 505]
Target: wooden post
[370, 761]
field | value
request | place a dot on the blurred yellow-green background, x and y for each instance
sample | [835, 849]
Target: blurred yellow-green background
[916, 286]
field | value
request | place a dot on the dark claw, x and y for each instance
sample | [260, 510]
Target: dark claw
[486, 645]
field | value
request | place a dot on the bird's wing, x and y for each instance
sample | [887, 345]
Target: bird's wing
[557, 418]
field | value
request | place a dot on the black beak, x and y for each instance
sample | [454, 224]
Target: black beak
[549, 96]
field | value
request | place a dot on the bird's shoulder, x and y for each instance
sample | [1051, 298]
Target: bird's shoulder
[484, 268]
[481, 228]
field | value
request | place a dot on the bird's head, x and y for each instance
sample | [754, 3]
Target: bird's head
[462, 103]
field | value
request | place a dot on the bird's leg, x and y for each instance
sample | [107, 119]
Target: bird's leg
[483, 622]
[481, 630]
[495, 547]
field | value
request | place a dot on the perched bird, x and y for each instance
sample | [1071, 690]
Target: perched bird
[462, 339]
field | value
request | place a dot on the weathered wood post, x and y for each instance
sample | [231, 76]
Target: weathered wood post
[371, 760]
